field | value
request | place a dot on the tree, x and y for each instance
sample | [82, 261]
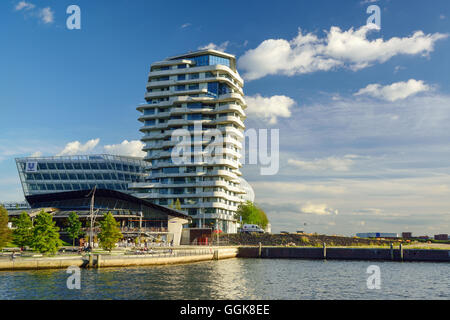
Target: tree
[23, 232]
[178, 205]
[109, 232]
[5, 232]
[252, 214]
[45, 234]
[74, 228]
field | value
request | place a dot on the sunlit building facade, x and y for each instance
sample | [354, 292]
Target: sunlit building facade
[44, 175]
[198, 91]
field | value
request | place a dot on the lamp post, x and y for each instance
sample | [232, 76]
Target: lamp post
[92, 217]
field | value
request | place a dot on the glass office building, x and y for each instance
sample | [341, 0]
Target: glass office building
[72, 173]
[196, 90]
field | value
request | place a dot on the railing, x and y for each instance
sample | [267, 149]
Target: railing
[126, 229]
[171, 252]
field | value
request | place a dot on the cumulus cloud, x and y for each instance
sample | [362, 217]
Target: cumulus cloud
[269, 108]
[288, 188]
[308, 53]
[77, 148]
[23, 5]
[395, 91]
[126, 148]
[318, 209]
[213, 46]
[36, 154]
[45, 15]
[330, 163]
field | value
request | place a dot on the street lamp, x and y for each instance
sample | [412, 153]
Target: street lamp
[92, 216]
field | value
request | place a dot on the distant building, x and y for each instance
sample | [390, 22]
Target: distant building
[44, 175]
[15, 206]
[377, 235]
[441, 237]
[407, 235]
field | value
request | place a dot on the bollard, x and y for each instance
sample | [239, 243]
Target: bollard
[259, 250]
[91, 260]
[401, 252]
[98, 261]
[324, 250]
[392, 251]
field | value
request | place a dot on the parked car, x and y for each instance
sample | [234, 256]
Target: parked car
[249, 228]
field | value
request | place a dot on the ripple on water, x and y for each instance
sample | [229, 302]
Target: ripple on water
[251, 279]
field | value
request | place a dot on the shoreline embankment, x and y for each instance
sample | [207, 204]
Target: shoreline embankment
[105, 260]
[381, 254]
[182, 256]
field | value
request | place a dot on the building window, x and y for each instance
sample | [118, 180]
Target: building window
[195, 116]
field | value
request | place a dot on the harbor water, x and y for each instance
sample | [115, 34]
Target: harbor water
[236, 279]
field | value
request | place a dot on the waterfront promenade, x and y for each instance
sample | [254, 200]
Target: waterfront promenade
[189, 254]
[158, 256]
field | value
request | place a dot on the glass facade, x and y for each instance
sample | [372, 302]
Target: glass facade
[209, 60]
[60, 174]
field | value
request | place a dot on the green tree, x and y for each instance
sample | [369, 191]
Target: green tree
[74, 228]
[23, 232]
[45, 234]
[5, 232]
[252, 214]
[178, 204]
[109, 232]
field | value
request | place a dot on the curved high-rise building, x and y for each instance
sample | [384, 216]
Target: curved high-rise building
[195, 93]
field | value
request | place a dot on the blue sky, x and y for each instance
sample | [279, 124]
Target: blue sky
[364, 141]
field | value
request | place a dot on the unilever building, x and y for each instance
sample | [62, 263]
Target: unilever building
[45, 175]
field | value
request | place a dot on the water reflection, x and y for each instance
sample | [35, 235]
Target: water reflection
[236, 279]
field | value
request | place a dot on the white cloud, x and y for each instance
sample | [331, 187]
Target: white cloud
[286, 188]
[213, 46]
[330, 163]
[186, 25]
[36, 154]
[269, 108]
[77, 148]
[318, 209]
[126, 148]
[308, 53]
[46, 15]
[24, 5]
[395, 91]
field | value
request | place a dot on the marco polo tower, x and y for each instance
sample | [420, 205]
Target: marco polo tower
[195, 91]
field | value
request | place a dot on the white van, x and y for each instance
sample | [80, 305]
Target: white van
[248, 228]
